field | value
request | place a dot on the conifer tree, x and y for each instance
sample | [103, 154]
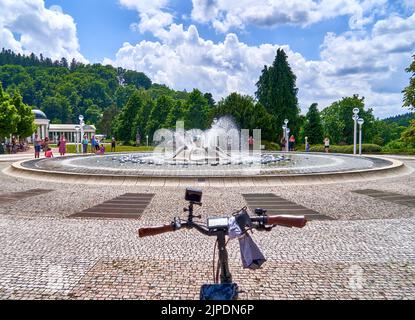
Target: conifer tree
[277, 92]
[313, 128]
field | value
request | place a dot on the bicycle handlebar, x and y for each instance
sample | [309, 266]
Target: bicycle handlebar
[259, 223]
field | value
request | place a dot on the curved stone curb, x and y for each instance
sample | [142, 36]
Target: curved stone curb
[397, 168]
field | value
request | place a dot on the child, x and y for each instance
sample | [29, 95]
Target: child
[49, 153]
[101, 149]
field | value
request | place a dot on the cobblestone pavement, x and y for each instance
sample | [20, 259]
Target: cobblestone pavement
[367, 252]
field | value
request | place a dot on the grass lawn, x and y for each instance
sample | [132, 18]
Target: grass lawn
[71, 148]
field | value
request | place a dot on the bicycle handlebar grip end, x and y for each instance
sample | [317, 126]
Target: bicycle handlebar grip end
[288, 221]
[152, 231]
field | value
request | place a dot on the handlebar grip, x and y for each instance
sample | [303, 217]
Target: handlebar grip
[152, 231]
[287, 221]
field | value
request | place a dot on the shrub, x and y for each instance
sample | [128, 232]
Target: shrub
[395, 145]
[366, 148]
[378, 140]
[270, 146]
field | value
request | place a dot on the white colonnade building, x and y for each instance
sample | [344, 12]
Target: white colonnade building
[53, 131]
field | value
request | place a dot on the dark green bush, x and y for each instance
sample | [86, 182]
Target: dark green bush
[366, 148]
[270, 146]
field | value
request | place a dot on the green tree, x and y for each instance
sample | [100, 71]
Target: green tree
[93, 114]
[247, 114]
[210, 100]
[58, 108]
[122, 94]
[338, 123]
[385, 132]
[176, 113]
[25, 126]
[313, 128]
[409, 91]
[123, 127]
[9, 117]
[138, 79]
[197, 110]
[158, 114]
[143, 116]
[105, 125]
[408, 136]
[277, 92]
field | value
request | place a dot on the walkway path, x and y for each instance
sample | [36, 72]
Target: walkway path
[367, 252]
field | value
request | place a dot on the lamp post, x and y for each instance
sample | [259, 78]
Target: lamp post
[147, 139]
[287, 131]
[284, 133]
[355, 118]
[77, 128]
[306, 144]
[288, 143]
[81, 125]
[360, 121]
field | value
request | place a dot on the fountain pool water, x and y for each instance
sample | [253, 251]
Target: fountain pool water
[221, 151]
[155, 165]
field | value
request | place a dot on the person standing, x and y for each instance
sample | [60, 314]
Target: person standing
[283, 143]
[291, 143]
[37, 143]
[62, 146]
[327, 145]
[14, 148]
[46, 144]
[93, 144]
[113, 143]
[85, 144]
[251, 144]
[307, 146]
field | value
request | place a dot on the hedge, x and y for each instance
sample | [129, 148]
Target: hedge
[366, 148]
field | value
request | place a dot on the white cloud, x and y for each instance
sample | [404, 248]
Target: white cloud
[367, 63]
[144, 5]
[228, 14]
[152, 14]
[27, 26]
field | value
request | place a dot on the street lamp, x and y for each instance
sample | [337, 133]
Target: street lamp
[284, 133]
[147, 139]
[360, 121]
[77, 128]
[81, 124]
[355, 118]
[288, 144]
[306, 144]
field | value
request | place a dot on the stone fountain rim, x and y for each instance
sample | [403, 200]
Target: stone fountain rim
[396, 168]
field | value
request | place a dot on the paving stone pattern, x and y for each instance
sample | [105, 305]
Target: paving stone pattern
[389, 196]
[14, 196]
[276, 205]
[126, 206]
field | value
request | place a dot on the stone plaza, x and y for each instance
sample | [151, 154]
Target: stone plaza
[365, 251]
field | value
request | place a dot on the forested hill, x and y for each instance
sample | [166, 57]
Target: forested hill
[401, 120]
[63, 89]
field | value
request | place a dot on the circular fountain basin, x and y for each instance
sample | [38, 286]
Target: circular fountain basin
[149, 169]
[149, 164]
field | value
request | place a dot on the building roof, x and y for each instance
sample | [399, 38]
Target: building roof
[39, 114]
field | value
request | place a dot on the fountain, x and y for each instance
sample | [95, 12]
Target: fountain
[221, 152]
[221, 145]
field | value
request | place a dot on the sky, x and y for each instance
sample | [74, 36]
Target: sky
[336, 48]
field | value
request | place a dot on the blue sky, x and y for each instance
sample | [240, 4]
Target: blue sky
[102, 33]
[336, 48]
